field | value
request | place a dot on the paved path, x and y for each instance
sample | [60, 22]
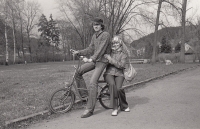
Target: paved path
[170, 103]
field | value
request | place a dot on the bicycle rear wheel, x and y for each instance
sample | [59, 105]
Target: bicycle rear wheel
[61, 100]
[104, 97]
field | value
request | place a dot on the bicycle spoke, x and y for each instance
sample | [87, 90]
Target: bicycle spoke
[104, 97]
[61, 101]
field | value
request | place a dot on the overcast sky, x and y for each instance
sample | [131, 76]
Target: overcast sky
[51, 7]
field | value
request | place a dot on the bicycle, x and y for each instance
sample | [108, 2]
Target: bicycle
[63, 99]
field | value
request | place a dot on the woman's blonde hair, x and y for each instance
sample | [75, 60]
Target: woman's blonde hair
[118, 39]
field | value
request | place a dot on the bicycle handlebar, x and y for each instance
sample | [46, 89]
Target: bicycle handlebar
[80, 57]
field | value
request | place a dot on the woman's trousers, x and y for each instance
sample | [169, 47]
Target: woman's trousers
[117, 94]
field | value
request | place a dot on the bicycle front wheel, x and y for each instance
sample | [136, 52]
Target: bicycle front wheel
[61, 100]
[104, 97]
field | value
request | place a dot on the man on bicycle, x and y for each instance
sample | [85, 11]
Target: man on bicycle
[100, 45]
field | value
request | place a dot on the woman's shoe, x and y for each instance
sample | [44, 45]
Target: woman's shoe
[127, 109]
[114, 113]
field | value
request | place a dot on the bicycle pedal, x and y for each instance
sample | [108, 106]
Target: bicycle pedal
[84, 101]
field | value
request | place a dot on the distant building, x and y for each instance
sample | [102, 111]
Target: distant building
[188, 49]
[133, 52]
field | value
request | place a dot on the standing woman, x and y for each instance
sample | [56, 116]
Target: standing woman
[114, 74]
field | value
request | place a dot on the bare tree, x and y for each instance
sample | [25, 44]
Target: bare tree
[195, 34]
[69, 38]
[11, 5]
[156, 32]
[65, 36]
[179, 10]
[4, 13]
[117, 15]
[11, 21]
[78, 18]
[184, 5]
[120, 13]
[30, 14]
[19, 6]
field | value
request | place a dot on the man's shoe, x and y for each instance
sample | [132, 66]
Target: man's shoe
[114, 113]
[86, 114]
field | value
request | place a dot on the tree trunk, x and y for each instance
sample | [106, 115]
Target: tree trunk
[22, 38]
[53, 53]
[182, 58]
[154, 55]
[29, 45]
[14, 38]
[6, 39]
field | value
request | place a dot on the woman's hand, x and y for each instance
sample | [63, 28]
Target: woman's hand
[107, 56]
[87, 60]
[90, 60]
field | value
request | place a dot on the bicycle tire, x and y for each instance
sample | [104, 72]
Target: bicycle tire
[104, 97]
[61, 100]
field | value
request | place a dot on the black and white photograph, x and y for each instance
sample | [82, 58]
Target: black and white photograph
[99, 64]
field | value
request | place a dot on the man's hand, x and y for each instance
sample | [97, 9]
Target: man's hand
[74, 52]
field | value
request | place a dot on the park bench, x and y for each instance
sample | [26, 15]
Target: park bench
[139, 61]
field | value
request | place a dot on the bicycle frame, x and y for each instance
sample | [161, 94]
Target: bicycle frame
[73, 79]
[66, 96]
[69, 87]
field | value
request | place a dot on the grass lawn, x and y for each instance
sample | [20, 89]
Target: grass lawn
[25, 89]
